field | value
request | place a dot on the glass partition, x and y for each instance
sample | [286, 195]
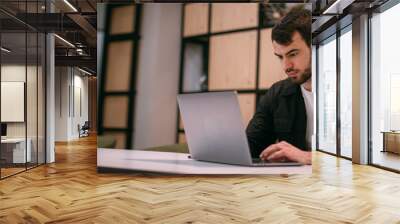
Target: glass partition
[15, 149]
[41, 91]
[327, 96]
[31, 99]
[346, 92]
[385, 89]
[22, 90]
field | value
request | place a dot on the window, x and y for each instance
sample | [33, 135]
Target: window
[346, 93]
[385, 89]
[327, 95]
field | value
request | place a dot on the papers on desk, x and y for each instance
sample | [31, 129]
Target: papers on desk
[179, 163]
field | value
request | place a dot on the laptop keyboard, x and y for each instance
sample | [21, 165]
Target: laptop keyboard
[259, 162]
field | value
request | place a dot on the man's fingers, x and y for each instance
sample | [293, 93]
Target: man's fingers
[284, 142]
[269, 150]
[277, 156]
[285, 151]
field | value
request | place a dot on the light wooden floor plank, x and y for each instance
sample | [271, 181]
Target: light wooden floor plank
[71, 191]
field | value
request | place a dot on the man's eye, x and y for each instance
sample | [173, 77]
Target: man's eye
[293, 54]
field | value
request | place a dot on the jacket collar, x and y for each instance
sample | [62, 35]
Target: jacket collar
[291, 88]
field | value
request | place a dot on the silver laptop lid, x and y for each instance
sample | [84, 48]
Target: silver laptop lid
[214, 128]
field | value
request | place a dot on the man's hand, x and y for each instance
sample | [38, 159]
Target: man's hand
[284, 151]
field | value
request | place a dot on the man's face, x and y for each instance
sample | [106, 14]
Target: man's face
[295, 58]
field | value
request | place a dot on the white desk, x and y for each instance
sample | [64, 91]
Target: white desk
[179, 163]
[18, 150]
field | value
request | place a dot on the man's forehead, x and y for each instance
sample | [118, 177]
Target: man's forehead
[296, 43]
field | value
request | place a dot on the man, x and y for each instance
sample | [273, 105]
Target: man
[282, 126]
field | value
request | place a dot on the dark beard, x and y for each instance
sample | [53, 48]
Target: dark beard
[304, 77]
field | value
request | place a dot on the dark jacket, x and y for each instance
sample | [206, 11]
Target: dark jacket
[280, 116]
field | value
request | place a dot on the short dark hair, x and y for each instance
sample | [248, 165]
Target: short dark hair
[297, 19]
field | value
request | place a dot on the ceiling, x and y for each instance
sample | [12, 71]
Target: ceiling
[76, 22]
[73, 20]
[330, 16]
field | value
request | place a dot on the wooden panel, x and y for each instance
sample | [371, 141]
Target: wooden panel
[393, 142]
[247, 103]
[122, 20]
[115, 112]
[233, 61]
[271, 69]
[182, 138]
[119, 60]
[196, 19]
[230, 16]
[120, 138]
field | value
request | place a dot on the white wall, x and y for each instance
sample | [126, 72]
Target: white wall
[61, 103]
[33, 125]
[80, 82]
[158, 75]
[68, 81]
[12, 73]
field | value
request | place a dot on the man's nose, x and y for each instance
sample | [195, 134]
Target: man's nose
[287, 64]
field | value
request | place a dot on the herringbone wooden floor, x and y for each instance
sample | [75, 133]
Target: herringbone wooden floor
[71, 191]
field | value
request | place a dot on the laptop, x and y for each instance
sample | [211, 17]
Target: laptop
[215, 131]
